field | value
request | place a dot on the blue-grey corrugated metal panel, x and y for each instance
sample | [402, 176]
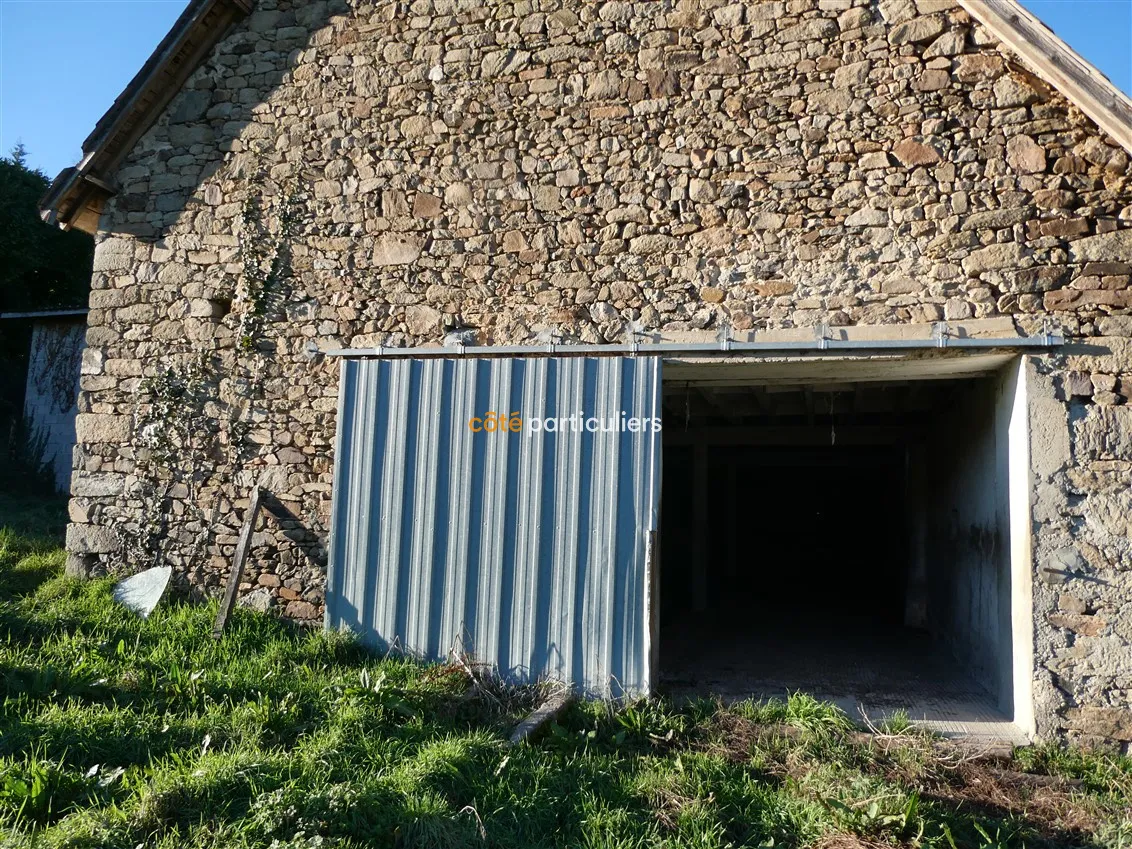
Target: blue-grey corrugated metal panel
[527, 550]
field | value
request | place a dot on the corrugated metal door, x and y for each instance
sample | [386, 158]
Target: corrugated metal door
[528, 548]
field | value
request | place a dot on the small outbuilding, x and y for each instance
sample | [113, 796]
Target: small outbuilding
[51, 391]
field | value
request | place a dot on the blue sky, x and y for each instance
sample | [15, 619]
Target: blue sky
[62, 62]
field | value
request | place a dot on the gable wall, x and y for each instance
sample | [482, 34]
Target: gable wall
[568, 170]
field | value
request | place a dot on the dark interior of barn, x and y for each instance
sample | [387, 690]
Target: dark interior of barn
[812, 539]
[791, 528]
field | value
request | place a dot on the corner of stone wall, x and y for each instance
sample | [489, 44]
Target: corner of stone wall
[1081, 444]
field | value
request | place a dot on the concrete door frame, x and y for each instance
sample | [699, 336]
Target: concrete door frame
[1020, 524]
[1013, 436]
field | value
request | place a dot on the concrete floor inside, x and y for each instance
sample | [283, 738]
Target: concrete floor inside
[866, 669]
[814, 552]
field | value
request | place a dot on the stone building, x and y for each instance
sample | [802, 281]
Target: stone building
[285, 180]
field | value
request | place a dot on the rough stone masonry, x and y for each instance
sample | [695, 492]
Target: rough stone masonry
[571, 170]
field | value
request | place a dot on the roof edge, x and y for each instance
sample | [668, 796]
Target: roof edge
[48, 313]
[1058, 64]
[76, 195]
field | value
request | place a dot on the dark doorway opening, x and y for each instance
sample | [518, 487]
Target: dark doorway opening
[818, 529]
[822, 538]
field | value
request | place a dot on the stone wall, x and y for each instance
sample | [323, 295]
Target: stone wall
[576, 171]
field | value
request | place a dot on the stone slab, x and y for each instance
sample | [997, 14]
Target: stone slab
[142, 592]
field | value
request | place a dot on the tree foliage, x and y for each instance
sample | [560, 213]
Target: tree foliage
[41, 266]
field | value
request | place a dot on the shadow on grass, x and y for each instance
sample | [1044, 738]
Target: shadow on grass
[31, 536]
[38, 519]
[989, 826]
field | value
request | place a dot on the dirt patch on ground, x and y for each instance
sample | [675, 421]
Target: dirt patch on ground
[849, 841]
[1057, 804]
[955, 775]
[735, 737]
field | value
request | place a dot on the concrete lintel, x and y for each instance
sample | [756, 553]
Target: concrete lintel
[743, 371]
[1001, 327]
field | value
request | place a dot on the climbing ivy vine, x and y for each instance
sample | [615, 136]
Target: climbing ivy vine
[265, 252]
[174, 419]
[194, 413]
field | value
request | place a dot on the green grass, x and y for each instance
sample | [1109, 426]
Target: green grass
[119, 732]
